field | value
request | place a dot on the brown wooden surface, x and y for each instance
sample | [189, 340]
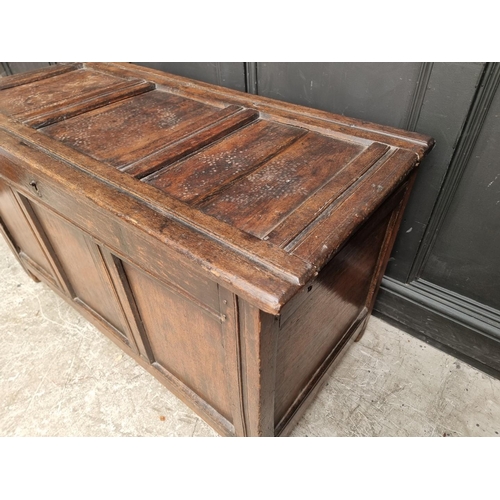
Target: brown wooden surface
[38, 101]
[129, 130]
[84, 274]
[311, 208]
[280, 185]
[185, 339]
[36, 75]
[232, 245]
[342, 286]
[18, 229]
[229, 122]
[258, 345]
[218, 166]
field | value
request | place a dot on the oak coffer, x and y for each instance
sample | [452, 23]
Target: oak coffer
[231, 244]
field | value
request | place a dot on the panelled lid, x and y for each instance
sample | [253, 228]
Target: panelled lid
[277, 186]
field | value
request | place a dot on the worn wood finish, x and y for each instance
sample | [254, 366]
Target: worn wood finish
[30, 72]
[124, 132]
[232, 246]
[329, 123]
[17, 230]
[84, 273]
[343, 286]
[41, 101]
[219, 166]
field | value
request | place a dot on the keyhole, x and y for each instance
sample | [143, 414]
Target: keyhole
[34, 185]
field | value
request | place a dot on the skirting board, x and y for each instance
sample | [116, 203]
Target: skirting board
[444, 321]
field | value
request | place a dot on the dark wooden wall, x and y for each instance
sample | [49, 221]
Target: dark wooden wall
[443, 280]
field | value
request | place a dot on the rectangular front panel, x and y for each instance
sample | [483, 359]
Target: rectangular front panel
[325, 312]
[185, 337]
[22, 235]
[82, 267]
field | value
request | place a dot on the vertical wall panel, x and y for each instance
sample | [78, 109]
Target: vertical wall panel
[12, 68]
[465, 257]
[379, 92]
[452, 295]
[228, 74]
[448, 97]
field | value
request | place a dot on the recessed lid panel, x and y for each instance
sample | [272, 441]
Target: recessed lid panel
[215, 168]
[69, 90]
[265, 197]
[130, 130]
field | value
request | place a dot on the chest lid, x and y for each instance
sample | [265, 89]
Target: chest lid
[276, 188]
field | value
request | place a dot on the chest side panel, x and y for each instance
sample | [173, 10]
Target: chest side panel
[314, 324]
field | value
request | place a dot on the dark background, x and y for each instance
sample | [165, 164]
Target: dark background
[443, 280]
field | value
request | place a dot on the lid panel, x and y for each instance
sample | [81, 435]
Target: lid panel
[59, 88]
[214, 169]
[231, 118]
[36, 75]
[329, 193]
[31, 99]
[259, 201]
[335, 225]
[129, 130]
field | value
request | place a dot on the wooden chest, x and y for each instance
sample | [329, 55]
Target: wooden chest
[231, 244]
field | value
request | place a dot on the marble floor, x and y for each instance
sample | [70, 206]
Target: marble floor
[60, 377]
